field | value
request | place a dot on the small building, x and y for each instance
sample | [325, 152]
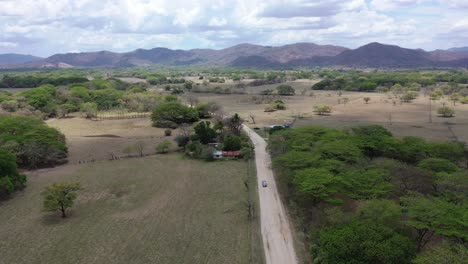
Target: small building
[218, 154]
[233, 154]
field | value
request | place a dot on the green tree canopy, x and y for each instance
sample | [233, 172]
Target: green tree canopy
[173, 113]
[60, 197]
[362, 242]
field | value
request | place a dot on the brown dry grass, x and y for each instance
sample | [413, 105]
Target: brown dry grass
[126, 131]
[407, 119]
[158, 209]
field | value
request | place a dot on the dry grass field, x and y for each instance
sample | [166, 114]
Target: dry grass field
[406, 119]
[89, 139]
[158, 209]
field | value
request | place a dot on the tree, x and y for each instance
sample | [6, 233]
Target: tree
[234, 124]
[204, 133]
[171, 114]
[381, 211]
[182, 141]
[368, 183]
[232, 143]
[60, 197]
[366, 99]
[445, 253]
[10, 178]
[89, 109]
[446, 111]
[408, 97]
[285, 89]
[163, 147]
[322, 109]
[431, 215]
[363, 242]
[438, 165]
[316, 185]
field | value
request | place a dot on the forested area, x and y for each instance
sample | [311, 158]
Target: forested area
[363, 196]
[383, 81]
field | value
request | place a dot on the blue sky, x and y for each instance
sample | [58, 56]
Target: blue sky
[45, 27]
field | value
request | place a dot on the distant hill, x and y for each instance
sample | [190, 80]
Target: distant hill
[12, 58]
[257, 56]
[461, 49]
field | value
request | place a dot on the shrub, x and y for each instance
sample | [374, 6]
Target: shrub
[438, 165]
[163, 147]
[446, 111]
[168, 132]
[232, 143]
[10, 179]
[322, 109]
[285, 89]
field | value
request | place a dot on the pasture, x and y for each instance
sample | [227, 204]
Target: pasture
[402, 119]
[157, 209]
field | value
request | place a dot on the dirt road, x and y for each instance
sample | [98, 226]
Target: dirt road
[277, 237]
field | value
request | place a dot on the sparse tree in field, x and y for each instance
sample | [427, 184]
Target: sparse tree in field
[446, 111]
[408, 97]
[436, 94]
[455, 97]
[163, 147]
[366, 99]
[252, 117]
[140, 147]
[340, 93]
[285, 89]
[345, 100]
[322, 109]
[60, 197]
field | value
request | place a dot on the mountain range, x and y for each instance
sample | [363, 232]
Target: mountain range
[255, 56]
[11, 58]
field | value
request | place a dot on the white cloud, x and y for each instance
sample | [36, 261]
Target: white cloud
[46, 27]
[8, 44]
[388, 5]
[217, 22]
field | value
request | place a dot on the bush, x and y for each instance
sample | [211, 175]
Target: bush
[446, 111]
[322, 109]
[285, 90]
[163, 147]
[168, 132]
[232, 143]
[438, 165]
[169, 113]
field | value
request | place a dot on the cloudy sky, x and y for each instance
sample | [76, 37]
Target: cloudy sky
[45, 27]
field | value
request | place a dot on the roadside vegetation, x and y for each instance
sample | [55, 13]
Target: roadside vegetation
[364, 196]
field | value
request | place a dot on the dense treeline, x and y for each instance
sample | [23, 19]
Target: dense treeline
[32, 142]
[30, 81]
[88, 97]
[359, 81]
[364, 196]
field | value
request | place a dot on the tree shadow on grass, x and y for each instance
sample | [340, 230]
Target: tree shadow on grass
[51, 219]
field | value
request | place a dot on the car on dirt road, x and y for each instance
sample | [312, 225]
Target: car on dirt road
[264, 183]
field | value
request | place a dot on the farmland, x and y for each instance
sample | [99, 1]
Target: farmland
[158, 209]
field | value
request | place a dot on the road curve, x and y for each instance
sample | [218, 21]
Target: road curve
[276, 233]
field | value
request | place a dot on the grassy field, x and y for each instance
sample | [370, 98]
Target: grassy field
[158, 209]
[88, 139]
[406, 119]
